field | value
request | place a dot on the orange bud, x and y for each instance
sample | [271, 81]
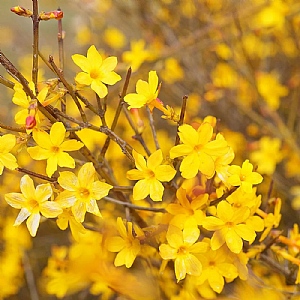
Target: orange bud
[21, 11]
[54, 14]
[30, 122]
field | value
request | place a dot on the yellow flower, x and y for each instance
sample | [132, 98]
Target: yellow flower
[146, 92]
[96, 71]
[149, 175]
[188, 214]
[270, 89]
[21, 99]
[82, 192]
[243, 176]
[67, 218]
[7, 160]
[228, 227]
[216, 266]
[199, 150]
[137, 55]
[172, 71]
[181, 249]
[268, 155]
[33, 202]
[127, 245]
[52, 147]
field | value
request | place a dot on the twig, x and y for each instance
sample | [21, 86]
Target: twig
[60, 75]
[6, 82]
[16, 74]
[117, 114]
[137, 135]
[37, 175]
[29, 277]
[15, 129]
[181, 118]
[133, 206]
[101, 110]
[60, 40]
[123, 188]
[86, 103]
[125, 147]
[35, 56]
[154, 134]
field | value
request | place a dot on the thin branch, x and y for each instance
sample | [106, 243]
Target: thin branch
[101, 110]
[30, 277]
[123, 188]
[118, 112]
[60, 75]
[133, 206]
[16, 74]
[138, 135]
[15, 129]
[35, 56]
[181, 118]
[60, 40]
[37, 175]
[86, 103]
[154, 134]
[6, 82]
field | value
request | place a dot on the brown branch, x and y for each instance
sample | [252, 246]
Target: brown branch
[35, 56]
[37, 175]
[117, 114]
[133, 206]
[153, 130]
[60, 75]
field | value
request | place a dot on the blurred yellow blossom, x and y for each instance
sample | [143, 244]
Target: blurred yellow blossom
[181, 248]
[7, 160]
[137, 55]
[270, 89]
[267, 155]
[114, 38]
[172, 71]
[127, 245]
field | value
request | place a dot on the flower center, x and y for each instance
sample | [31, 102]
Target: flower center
[198, 148]
[33, 205]
[84, 193]
[55, 149]
[150, 174]
[95, 73]
[182, 250]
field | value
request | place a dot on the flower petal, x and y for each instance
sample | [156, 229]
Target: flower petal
[82, 62]
[100, 88]
[141, 190]
[33, 223]
[50, 209]
[68, 180]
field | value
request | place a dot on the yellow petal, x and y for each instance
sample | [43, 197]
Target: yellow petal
[33, 223]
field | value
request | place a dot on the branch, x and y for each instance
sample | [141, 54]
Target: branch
[133, 206]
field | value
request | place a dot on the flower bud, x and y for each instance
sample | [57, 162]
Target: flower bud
[30, 122]
[54, 14]
[21, 11]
